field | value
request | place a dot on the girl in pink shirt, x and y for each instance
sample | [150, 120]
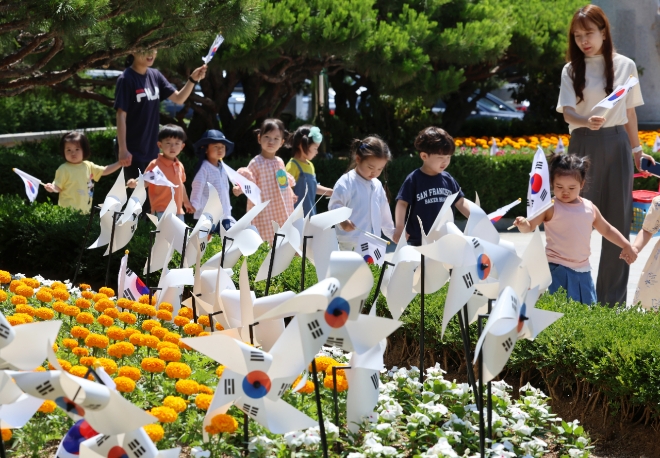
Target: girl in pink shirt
[568, 226]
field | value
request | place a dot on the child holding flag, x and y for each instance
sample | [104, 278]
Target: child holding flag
[267, 171]
[74, 180]
[425, 190]
[568, 226]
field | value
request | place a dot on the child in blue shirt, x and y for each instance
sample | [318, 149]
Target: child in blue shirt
[425, 190]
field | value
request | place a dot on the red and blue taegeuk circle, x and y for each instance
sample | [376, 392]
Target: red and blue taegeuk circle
[616, 95]
[117, 452]
[522, 317]
[256, 384]
[78, 433]
[368, 259]
[483, 266]
[536, 183]
[337, 312]
[69, 406]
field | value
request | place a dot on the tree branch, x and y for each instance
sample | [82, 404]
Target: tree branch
[83, 94]
[58, 45]
[15, 25]
[25, 50]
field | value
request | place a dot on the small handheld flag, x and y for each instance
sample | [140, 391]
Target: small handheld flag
[538, 192]
[371, 248]
[560, 147]
[157, 177]
[250, 189]
[130, 285]
[31, 184]
[656, 144]
[214, 47]
[618, 94]
[500, 212]
[493, 147]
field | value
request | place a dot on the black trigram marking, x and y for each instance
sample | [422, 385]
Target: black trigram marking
[285, 386]
[101, 440]
[4, 331]
[335, 342]
[135, 215]
[364, 246]
[538, 165]
[93, 407]
[507, 344]
[136, 448]
[544, 194]
[375, 380]
[229, 386]
[247, 189]
[129, 294]
[250, 410]
[315, 329]
[45, 388]
[256, 356]
[129, 272]
[202, 246]
[476, 292]
[332, 288]
[514, 302]
[476, 243]
[377, 254]
[467, 278]
[133, 227]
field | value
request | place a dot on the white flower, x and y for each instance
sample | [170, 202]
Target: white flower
[384, 427]
[522, 428]
[198, 452]
[435, 370]
[501, 451]
[435, 408]
[371, 445]
[311, 437]
[575, 452]
[294, 438]
[517, 414]
[330, 428]
[536, 391]
[389, 451]
[356, 455]
[260, 442]
[582, 440]
[442, 448]
[419, 417]
[453, 420]
[461, 389]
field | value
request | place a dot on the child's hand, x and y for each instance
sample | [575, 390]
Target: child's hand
[628, 254]
[237, 190]
[132, 183]
[189, 208]
[348, 225]
[50, 187]
[522, 224]
[295, 198]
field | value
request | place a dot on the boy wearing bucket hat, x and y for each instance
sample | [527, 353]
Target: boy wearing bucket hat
[210, 150]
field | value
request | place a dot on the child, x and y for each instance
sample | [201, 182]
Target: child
[360, 190]
[305, 144]
[74, 180]
[425, 190]
[171, 140]
[648, 292]
[210, 150]
[568, 226]
[267, 171]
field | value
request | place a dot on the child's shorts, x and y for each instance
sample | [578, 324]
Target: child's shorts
[579, 286]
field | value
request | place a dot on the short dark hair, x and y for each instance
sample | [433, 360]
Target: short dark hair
[371, 146]
[568, 165]
[172, 131]
[434, 140]
[75, 137]
[271, 124]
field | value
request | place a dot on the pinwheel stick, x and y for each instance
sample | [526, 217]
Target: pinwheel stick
[194, 308]
[82, 248]
[324, 439]
[272, 260]
[334, 393]
[211, 315]
[304, 261]
[222, 256]
[151, 292]
[465, 334]
[482, 427]
[3, 454]
[112, 238]
[185, 243]
[151, 246]
[421, 323]
[246, 433]
[380, 282]
[489, 390]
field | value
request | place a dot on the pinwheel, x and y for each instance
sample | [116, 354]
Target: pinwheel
[254, 381]
[134, 444]
[126, 225]
[363, 384]
[324, 237]
[510, 320]
[171, 283]
[329, 312]
[201, 233]
[113, 202]
[171, 230]
[25, 347]
[16, 407]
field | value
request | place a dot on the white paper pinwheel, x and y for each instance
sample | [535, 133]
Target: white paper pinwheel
[25, 347]
[171, 230]
[510, 320]
[242, 239]
[324, 237]
[113, 202]
[329, 312]
[241, 307]
[254, 381]
[286, 247]
[363, 384]
[171, 284]
[134, 444]
[104, 409]
[201, 233]
[16, 407]
[126, 225]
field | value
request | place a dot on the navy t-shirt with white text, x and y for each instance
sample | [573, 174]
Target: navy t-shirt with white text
[139, 96]
[425, 195]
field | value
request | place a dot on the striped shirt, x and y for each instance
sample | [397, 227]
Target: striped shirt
[217, 176]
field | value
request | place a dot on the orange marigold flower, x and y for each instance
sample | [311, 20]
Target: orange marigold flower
[66, 366]
[148, 310]
[15, 284]
[15, 320]
[124, 384]
[44, 296]
[115, 333]
[164, 315]
[164, 414]
[172, 337]
[203, 401]
[178, 370]
[323, 362]
[308, 388]
[153, 365]
[58, 285]
[84, 287]
[87, 360]
[124, 303]
[187, 387]
[85, 318]
[184, 346]
[61, 294]
[112, 312]
[166, 306]
[6, 435]
[144, 299]
[220, 370]
[203, 333]
[192, 329]
[44, 313]
[185, 312]
[205, 389]
[78, 371]
[25, 291]
[99, 296]
[5, 277]
[148, 324]
[175, 403]
[340, 372]
[103, 304]
[149, 341]
[31, 282]
[24, 308]
[127, 318]
[342, 383]
[105, 320]
[224, 423]
[107, 291]
[25, 316]
[170, 354]
[115, 351]
[219, 327]
[109, 365]
[159, 332]
[97, 340]
[131, 372]
[16, 300]
[154, 431]
[80, 351]
[162, 345]
[79, 332]
[127, 348]
[204, 321]
[128, 332]
[87, 295]
[40, 369]
[3, 296]
[181, 320]
[136, 338]
[71, 310]
[48, 407]
[70, 343]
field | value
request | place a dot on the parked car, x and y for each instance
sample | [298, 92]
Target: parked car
[488, 106]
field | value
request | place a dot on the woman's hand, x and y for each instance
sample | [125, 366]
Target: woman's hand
[347, 225]
[199, 73]
[125, 158]
[637, 157]
[595, 122]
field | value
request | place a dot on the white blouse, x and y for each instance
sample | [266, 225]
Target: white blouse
[200, 192]
[594, 90]
[371, 211]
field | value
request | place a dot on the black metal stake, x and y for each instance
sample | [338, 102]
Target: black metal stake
[151, 246]
[324, 440]
[489, 391]
[272, 260]
[335, 399]
[222, 256]
[211, 315]
[466, 351]
[194, 308]
[482, 427]
[151, 292]
[380, 282]
[112, 238]
[421, 324]
[185, 243]
[304, 260]
[246, 434]
[82, 250]
[251, 327]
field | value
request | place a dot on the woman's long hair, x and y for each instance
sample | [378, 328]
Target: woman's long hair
[581, 19]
